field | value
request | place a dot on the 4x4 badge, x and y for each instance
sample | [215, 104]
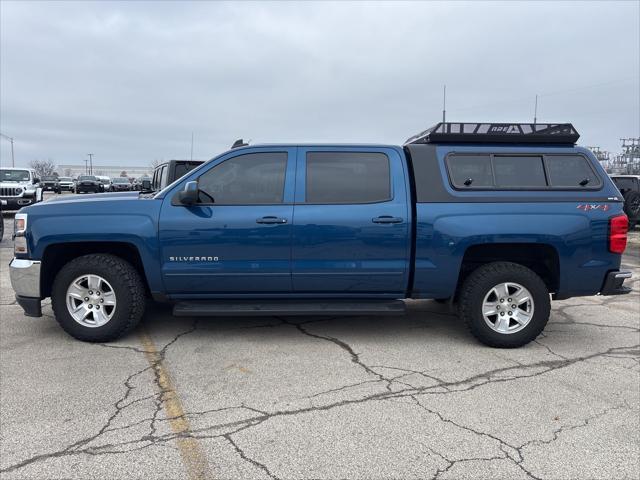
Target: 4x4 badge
[593, 206]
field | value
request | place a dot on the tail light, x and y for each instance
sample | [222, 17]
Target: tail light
[618, 227]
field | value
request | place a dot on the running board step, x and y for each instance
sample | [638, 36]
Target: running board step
[249, 308]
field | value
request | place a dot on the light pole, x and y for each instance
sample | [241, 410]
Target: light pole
[13, 162]
[86, 166]
[90, 163]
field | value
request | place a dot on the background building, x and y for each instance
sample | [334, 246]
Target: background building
[69, 170]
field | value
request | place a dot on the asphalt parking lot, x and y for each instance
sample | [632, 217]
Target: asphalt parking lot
[354, 397]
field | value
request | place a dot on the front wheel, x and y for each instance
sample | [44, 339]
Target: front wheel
[504, 304]
[98, 298]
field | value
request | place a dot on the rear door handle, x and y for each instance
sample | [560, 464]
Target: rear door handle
[386, 219]
[271, 220]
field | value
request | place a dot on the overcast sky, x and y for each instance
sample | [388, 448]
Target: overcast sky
[130, 82]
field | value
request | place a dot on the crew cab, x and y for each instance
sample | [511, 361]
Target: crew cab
[19, 187]
[497, 219]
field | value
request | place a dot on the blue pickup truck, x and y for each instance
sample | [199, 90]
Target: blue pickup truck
[496, 219]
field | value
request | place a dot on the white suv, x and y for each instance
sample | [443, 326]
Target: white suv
[19, 187]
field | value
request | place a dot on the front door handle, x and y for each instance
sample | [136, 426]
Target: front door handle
[386, 219]
[271, 220]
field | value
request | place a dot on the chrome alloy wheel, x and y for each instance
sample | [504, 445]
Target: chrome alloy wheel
[91, 300]
[507, 308]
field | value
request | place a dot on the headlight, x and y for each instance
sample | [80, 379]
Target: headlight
[20, 230]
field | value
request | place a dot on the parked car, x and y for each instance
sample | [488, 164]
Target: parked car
[120, 184]
[498, 222]
[66, 184]
[50, 183]
[19, 187]
[168, 172]
[2, 202]
[105, 181]
[140, 183]
[629, 186]
[88, 184]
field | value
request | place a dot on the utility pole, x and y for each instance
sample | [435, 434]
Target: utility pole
[86, 166]
[444, 104]
[90, 163]
[13, 162]
[535, 111]
[191, 145]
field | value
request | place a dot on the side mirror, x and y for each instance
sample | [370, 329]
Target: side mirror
[189, 195]
[36, 180]
[146, 185]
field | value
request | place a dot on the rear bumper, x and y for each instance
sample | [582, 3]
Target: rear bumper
[613, 283]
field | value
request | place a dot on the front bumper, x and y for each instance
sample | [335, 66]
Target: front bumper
[88, 188]
[613, 283]
[25, 280]
[16, 203]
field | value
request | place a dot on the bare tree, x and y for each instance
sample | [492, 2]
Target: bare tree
[123, 173]
[67, 172]
[155, 163]
[43, 168]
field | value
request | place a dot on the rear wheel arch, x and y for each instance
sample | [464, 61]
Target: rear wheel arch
[542, 259]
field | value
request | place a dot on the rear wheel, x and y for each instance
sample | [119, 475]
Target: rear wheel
[98, 298]
[505, 304]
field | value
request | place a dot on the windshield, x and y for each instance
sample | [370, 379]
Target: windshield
[106, 181]
[65, 179]
[120, 180]
[14, 175]
[48, 178]
[87, 177]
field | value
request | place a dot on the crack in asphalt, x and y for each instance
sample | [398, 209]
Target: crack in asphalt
[75, 448]
[441, 387]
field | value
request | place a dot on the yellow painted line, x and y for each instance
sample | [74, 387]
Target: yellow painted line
[193, 456]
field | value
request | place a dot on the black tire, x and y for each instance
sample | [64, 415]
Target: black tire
[632, 207]
[481, 281]
[127, 286]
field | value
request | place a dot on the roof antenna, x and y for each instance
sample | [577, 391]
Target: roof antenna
[444, 104]
[239, 143]
[535, 111]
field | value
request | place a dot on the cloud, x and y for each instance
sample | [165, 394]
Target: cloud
[129, 82]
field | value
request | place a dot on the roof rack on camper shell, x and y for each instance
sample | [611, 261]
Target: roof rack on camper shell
[547, 133]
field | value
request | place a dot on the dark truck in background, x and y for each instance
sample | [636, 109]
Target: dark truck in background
[168, 172]
[89, 184]
[629, 186]
[50, 183]
[497, 218]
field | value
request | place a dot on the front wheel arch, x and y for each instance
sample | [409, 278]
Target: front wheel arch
[56, 256]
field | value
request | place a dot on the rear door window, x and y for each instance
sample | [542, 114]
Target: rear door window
[347, 177]
[573, 171]
[519, 172]
[470, 171]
